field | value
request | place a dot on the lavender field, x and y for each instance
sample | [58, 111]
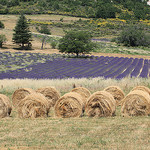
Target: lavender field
[56, 66]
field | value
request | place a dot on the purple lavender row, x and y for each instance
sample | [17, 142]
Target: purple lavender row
[113, 67]
[145, 70]
[128, 70]
[100, 71]
[120, 69]
[89, 71]
[137, 69]
[87, 68]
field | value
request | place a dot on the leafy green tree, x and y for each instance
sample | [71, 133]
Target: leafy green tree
[1, 25]
[2, 40]
[133, 36]
[44, 30]
[76, 42]
[22, 34]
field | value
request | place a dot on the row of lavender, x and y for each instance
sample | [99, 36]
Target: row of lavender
[41, 66]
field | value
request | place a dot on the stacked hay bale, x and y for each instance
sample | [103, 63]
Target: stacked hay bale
[117, 93]
[69, 105]
[142, 88]
[20, 94]
[50, 93]
[85, 94]
[5, 106]
[100, 104]
[136, 103]
[33, 105]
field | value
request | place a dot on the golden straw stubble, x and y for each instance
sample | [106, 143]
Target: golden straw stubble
[20, 94]
[116, 92]
[50, 93]
[100, 104]
[69, 105]
[5, 106]
[33, 105]
[136, 103]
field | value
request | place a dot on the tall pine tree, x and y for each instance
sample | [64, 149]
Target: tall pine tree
[22, 34]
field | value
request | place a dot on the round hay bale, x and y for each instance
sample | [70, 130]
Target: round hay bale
[100, 104]
[116, 92]
[142, 88]
[20, 94]
[50, 93]
[136, 103]
[85, 93]
[33, 105]
[5, 106]
[69, 105]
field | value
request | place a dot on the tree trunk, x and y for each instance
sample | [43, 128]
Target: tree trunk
[77, 54]
[43, 40]
[22, 47]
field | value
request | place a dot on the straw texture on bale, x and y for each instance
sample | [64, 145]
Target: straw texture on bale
[20, 94]
[116, 92]
[69, 105]
[100, 104]
[5, 106]
[33, 105]
[142, 88]
[85, 93]
[50, 93]
[136, 103]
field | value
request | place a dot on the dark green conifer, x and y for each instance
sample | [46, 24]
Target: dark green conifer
[22, 34]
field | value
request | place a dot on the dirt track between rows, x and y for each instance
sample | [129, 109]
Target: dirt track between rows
[51, 51]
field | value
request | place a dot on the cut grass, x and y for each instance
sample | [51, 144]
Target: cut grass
[76, 133]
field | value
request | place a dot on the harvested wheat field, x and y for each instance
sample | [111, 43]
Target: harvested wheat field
[69, 105]
[33, 105]
[100, 104]
[136, 103]
[5, 106]
[20, 94]
[116, 92]
[50, 93]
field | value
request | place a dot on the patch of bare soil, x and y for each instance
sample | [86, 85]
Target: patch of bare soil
[48, 50]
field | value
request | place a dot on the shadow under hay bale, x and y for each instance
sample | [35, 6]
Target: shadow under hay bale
[116, 92]
[33, 106]
[100, 104]
[50, 93]
[69, 105]
[136, 103]
[142, 88]
[20, 94]
[5, 106]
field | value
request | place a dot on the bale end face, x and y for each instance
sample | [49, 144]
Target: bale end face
[69, 105]
[136, 103]
[100, 104]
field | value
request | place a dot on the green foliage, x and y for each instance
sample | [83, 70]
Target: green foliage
[53, 44]
[2, 40]
[1, 25]
[22, 34]
[80, 8]
[44, 29]
[76, 42]
[133, 36]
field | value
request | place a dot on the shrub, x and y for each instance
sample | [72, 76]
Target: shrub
[2, 39]
[53, 44]
[133, 36]
[1, 25]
